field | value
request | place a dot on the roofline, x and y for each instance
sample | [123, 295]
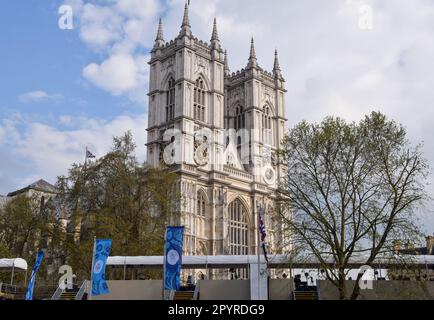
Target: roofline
[14, 193]
[275, 261]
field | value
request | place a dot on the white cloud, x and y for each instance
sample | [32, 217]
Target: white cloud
[119, 30]
[39, 96]
[118, 74]
[331, 66]
[138, 8]
[99, 26]
[40, 150]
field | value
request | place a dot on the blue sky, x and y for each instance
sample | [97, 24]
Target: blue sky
[64, 89]
[41, 56]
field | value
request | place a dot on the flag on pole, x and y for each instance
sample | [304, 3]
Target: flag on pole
[90, 155]
[263, 232]
[173, 258]
[101, 253]
[30, 287]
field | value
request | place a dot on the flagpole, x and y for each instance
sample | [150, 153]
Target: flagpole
[164, 265]
[259, 249]
[85, 161]
[91, 269]
[80, 179]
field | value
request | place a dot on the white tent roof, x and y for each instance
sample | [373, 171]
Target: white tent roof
[274, 261]
[189, 260]
[9, 264]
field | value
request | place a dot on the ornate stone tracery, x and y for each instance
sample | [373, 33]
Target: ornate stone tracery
[220, 198]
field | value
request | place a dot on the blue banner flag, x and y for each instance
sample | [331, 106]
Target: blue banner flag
[173, 258]
[29, 292]
[100, 256]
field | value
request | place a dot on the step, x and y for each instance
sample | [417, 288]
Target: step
[68, 295]
[305, 295]
[184, 295]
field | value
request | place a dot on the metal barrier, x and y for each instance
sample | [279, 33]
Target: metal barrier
[57, 294]
[82, 290]
[7, 288]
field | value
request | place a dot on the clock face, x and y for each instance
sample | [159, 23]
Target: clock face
[169, 156]
[201, 159]
[269, 175]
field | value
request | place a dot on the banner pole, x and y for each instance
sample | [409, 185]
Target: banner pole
[13, 271]
[259, 249]
[164, 264]
[85, 160]
[91, 270]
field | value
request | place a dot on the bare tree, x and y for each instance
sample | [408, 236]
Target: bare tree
[353, 189]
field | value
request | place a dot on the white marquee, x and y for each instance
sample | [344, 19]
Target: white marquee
[17, 264]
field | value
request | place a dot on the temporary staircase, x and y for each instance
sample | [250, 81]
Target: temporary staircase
[184, 295]
[305, 295]
[73, 294]
[68, 295]
[7, 292]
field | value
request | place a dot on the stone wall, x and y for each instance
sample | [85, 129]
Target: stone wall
[383, 290]
[280, 289]
[133, 290]
[224, 289]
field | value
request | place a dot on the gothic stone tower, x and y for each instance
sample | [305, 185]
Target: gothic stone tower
[240, 117]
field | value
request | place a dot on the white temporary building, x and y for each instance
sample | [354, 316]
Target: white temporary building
[192, 262]
[258, 278]
[18, 264]
[275, 261]
[257, 266]
[13, 266]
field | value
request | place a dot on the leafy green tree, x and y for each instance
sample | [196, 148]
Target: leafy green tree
[117, 198]
[353, 189]
[27, 226]
[114, 197]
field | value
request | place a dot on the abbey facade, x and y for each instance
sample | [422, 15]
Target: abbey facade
[220, 132]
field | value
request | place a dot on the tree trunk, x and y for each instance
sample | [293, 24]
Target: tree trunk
[342, 288]
[356, 290]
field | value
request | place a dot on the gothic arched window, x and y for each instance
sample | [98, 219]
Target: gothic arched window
[266, 118]
[266, 125]
[238, 229]
[170, 101]
[201, 204]
[240, 118]
[199, 100]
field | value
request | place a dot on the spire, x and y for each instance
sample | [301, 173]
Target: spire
[252, 58]
[252, 50]
[215, 41]
[276, 69]
[159, 41]
[185, 28]
[276, 61]
[215, 35]
[227, 70]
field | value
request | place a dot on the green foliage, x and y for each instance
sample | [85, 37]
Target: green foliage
[119, 199]
[25, 227]
[114, 197]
